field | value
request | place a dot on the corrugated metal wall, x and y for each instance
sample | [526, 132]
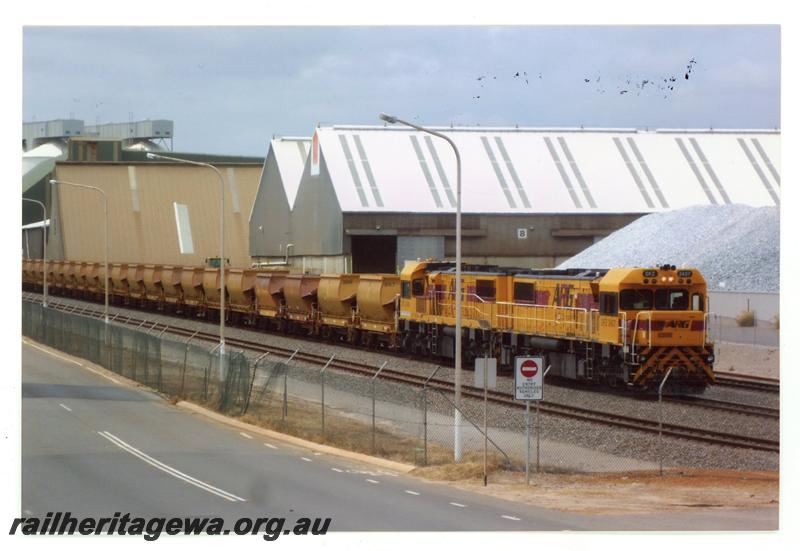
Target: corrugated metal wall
[412, 248]
[142, 218]
[270, 222]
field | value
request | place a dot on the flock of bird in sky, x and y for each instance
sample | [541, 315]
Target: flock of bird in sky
[665, 84]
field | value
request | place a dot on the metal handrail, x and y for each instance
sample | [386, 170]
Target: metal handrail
[636, 329]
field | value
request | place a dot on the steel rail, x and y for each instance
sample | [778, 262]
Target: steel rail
[561, 410]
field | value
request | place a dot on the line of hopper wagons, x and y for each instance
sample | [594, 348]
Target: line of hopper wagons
[626, 326]
[356, 308]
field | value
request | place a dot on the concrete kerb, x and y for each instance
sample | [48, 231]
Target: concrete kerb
[387, 464]
[293, 440]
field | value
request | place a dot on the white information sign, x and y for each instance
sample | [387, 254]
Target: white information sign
[491, 376]
[528, 377]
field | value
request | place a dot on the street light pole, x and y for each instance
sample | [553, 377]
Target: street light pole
[44, 245]
[105, 212]
[457, 429]
[221, 240]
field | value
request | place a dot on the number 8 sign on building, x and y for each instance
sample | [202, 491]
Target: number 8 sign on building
[528, 380]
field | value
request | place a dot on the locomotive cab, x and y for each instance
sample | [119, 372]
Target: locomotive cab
[658, 316]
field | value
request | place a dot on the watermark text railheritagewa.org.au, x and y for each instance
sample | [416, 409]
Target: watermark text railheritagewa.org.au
[152, 528]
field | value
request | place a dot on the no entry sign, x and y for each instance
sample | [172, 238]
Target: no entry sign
[528, 372]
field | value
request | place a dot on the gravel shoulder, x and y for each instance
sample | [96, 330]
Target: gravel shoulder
[634, 493]
[747, 359]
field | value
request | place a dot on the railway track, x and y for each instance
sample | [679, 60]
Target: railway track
[723, 405]
[748, 382]
[497, 397]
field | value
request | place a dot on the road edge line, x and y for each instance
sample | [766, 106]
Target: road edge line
[63, 356]
[329, 450]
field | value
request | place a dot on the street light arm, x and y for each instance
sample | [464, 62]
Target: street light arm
[426, 130]
[185, 161]
[53, 182]
[221, 238]
[44, 247]
[106, 275]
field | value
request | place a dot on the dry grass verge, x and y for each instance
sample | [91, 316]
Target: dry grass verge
[637, 492]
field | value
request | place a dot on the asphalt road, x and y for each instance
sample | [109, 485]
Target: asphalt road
[93, 447]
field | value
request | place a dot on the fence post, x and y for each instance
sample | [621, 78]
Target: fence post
[660, 447]
[208, 371]
[425, 425]
[373, 404]
[425, 415]
[322, 388]
[252, 381]
[485, 422]
[160, 374]
[539, 423]
[183, 371]
[285, 412]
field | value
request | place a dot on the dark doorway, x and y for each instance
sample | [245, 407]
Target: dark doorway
[374, 254]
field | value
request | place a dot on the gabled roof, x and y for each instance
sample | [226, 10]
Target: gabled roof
[535, 170]
[40, 161]
[290, 156]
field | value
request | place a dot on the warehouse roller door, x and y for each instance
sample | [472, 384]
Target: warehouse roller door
[422, 247]
[374, 254]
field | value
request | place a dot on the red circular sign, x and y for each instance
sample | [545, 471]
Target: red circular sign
[529, 368]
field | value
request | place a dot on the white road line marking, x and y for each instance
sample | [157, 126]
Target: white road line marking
[454, 504]
[305, 459]
[509, 517]
[65, 407]
[246, 435]
[59, 356]
[372, 481]
[167, 469]
[412, 492]
[70, 360]
[271, 446]
[337, 470]
[317, 453]
[113, 380]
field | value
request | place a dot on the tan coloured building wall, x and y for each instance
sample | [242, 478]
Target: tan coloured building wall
[142, 212]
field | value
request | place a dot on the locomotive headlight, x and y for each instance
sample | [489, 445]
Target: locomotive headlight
[671, 278]
[663, 278]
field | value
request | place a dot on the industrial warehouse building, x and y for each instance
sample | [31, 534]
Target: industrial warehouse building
[371, 197]
[161, 212]
[270, 219]
[366, 199]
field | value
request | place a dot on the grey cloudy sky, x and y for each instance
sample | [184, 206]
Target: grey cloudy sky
[229, 89]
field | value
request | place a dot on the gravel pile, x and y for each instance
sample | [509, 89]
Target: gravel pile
[736, 247]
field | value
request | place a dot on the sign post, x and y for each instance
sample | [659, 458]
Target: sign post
[528, 386]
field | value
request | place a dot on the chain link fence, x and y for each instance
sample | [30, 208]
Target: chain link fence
[372, 415]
